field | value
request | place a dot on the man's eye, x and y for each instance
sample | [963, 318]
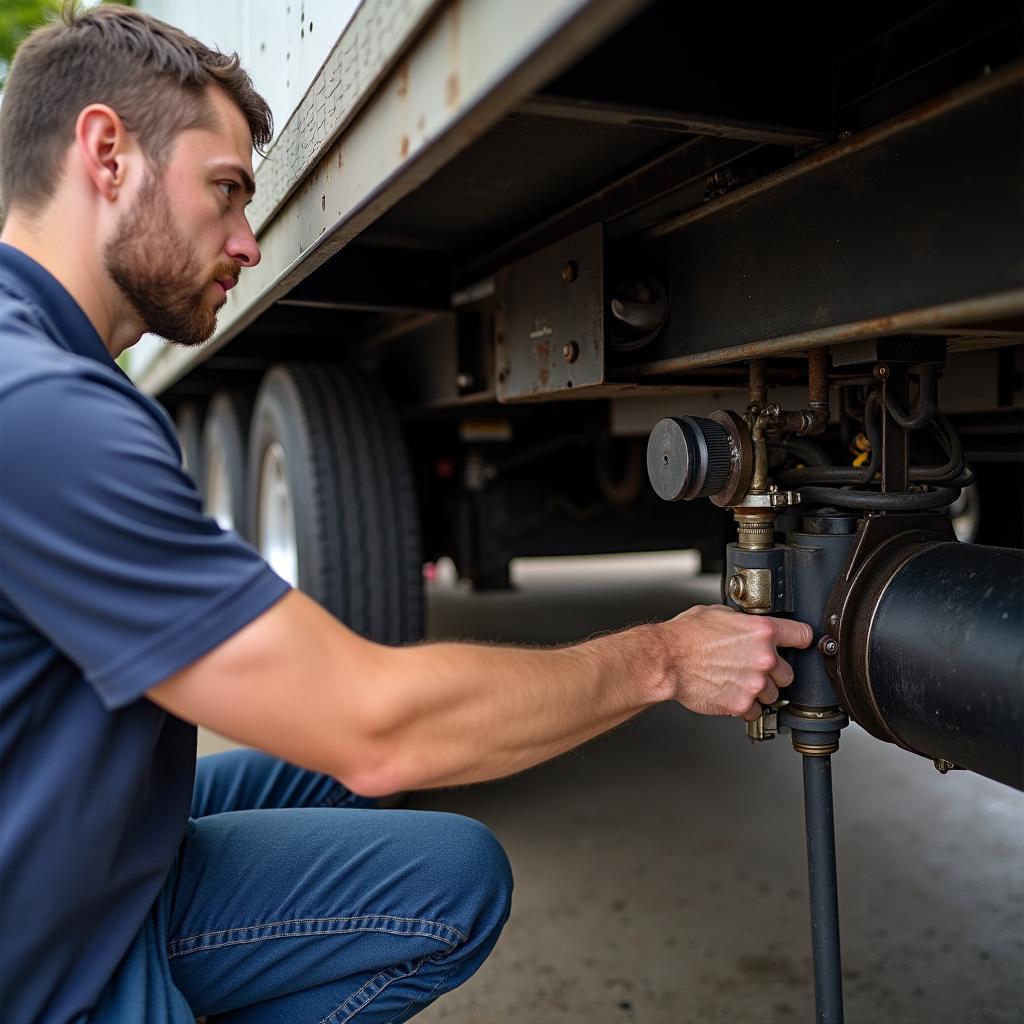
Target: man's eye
[228, 186]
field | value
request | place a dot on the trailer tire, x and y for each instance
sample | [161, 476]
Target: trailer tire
[223, 454]
[327, 456]
[188, 422]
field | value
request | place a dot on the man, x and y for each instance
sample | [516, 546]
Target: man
[263, 889]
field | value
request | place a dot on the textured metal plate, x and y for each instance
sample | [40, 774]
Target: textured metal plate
[551, 319]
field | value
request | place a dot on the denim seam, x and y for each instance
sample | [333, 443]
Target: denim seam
[308, 935]
[366, 1002]
[324, 920]
[348, 926]
[401, 1015]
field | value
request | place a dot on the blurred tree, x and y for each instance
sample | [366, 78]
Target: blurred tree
[19, 17]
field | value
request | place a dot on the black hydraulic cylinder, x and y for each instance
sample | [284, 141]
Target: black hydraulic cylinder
[824, 890]
[945, 657]
[816, 557]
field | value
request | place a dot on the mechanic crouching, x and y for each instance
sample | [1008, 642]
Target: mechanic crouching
[259, 885]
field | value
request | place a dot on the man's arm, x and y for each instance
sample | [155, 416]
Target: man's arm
[297, 683]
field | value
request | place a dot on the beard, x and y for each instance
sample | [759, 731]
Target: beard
[158, 271]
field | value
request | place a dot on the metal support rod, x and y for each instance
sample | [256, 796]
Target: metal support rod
[758, 384]
[817, 378]
[821, 870]
[814, 418]
[895, 439]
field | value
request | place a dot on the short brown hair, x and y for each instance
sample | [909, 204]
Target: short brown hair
[152, 74]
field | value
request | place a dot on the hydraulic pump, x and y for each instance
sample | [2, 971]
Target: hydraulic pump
[918, 638]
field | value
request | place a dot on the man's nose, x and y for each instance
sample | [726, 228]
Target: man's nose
[243, 248]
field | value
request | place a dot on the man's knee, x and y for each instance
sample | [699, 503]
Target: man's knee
[471, 857]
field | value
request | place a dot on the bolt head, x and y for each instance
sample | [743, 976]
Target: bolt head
[570, 272]
[570, 351]
[828, 646]
[833, 619]
[736, 587]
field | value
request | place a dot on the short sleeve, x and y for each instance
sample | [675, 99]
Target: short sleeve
[104, 548]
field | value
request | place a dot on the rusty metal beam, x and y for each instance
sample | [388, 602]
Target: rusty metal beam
[685, 122]
[911, 227]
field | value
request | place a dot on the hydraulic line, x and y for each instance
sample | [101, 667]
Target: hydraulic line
[824, 889]
[938, 497]
[846, 487]
[927, 401]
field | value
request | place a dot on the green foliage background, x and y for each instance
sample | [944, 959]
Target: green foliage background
[19, 17]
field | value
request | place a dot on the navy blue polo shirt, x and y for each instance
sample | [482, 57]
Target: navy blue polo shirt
[111, 580]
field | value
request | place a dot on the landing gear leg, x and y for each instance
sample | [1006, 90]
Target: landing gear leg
[821, 872]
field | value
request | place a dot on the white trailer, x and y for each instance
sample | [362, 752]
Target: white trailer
[436, 161]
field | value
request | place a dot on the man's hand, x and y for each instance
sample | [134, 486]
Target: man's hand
[728, 662]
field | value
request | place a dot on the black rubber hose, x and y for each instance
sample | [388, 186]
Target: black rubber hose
[954, 450]
[952, 473]
[873, 426]
[938, 497]
[926, 405]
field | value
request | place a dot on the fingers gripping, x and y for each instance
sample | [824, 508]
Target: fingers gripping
[734, 666]
[784, 633]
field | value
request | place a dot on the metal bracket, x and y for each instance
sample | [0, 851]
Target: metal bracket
[773, 499]
[551, 319]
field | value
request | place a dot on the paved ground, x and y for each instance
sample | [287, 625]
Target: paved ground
[661, 873]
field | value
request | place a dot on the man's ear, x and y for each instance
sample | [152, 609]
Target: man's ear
[102, 144]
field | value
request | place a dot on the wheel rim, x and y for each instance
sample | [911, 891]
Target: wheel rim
[218, 491]
[277, 538]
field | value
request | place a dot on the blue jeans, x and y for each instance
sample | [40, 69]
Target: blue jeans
[295, 901]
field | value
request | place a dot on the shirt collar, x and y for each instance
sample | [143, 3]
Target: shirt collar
[63, 318]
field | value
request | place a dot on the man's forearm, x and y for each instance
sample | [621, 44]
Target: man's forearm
[458, 713]
[297, 683]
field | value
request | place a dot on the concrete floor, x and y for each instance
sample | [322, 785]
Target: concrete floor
[661, 872]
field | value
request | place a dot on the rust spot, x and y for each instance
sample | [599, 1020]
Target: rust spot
[402, 76]
[421, 123]
[341, 160]
[542, 355]
[451, 90]
[403, 147]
